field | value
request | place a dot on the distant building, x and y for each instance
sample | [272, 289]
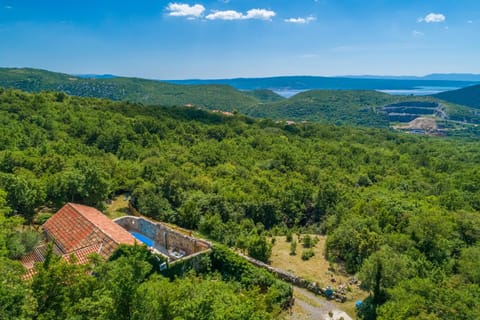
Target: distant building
[225, 113]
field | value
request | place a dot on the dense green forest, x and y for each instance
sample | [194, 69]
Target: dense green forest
[469, 96]
[222, 286]
[129, 89]
[401, 210]
[340, 107]
[265, 95]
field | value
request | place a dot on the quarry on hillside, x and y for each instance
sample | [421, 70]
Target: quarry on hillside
[417, 117]
[410, 110]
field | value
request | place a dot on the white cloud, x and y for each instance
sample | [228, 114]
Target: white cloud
[185, 10]
[300, 20]
[259, 14]
[225, 15]
[432, 18]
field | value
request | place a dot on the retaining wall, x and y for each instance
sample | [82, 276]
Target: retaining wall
[295, 280]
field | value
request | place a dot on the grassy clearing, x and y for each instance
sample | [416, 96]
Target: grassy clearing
[118, 207]
[316, 269]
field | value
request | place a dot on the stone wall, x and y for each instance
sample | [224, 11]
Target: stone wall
[296, 280]
[163, 236]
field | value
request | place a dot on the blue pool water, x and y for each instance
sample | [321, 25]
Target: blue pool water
[142, 238]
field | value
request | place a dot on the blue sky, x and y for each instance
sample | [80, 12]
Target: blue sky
[241, 38]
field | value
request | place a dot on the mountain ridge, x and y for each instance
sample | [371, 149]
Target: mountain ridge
[341, 107]
[317, 82]
[216, 96]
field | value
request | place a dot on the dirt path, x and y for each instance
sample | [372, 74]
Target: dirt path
[309, 306]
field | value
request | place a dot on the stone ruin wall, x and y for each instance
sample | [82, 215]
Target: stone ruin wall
[163, 235]
[295, 280]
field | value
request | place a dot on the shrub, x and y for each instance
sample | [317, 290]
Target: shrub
[307, 241]
[293, 248]
[307, 254]
[233, 267]
[288, 236]
[42, 218]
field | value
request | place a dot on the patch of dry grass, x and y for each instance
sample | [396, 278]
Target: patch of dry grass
[310, 269]
[118, 207]
[317, 269]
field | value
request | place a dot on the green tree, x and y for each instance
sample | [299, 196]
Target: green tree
[353, 241]
[20, 243]
[383, 270]
[259, 248]
[431, 299]
[8, 225]
[469, 264]
[25, 193]
[128, 268]
[14, 293]
[58, 285]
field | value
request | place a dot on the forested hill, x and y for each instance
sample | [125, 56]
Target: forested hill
[469, 96]
[401, 210]
[331, 106]
[149, 92]
[265, 95]
[341, 107]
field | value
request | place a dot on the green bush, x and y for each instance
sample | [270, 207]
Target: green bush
[289, 236]
[293, 248]
[307, 241]
[22, 243]
[233, 267]
[307, 254]
[42, 218]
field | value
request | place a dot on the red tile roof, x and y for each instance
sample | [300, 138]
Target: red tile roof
[77, 226]
[38, 256]
[81, 255]
[78, 230]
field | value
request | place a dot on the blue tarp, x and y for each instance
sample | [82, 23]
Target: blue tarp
[358, 304]
[329, 292]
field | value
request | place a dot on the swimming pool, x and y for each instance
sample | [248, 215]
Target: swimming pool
[142, 238]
